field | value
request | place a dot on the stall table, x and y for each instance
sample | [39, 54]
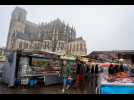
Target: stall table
[52, 78]
[115, 87]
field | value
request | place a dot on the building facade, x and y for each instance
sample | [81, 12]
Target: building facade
[77, 47]
[54, 36]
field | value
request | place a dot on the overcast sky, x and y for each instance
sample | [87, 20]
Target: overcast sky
[104, 27]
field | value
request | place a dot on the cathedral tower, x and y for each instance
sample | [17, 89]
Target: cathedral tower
[17, 25]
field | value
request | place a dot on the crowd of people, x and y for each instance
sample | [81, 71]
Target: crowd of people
[117, 68]
[85, 73]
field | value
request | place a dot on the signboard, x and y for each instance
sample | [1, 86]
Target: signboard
[46, 55]
[67, 57]
[39, 62]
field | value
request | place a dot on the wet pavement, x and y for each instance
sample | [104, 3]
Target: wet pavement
[52, 89]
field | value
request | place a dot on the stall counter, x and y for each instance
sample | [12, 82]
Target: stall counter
[115, 87]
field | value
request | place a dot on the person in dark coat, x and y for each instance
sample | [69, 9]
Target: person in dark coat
[121, 69]
[78, 67]
[116, 69]
[111, 69]
[93, 76]
[96, 74]
[96, 69]
[79, 73]
[87, 72]
[92, 69]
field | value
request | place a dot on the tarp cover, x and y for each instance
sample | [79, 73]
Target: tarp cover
[9, 69]
[117, 89]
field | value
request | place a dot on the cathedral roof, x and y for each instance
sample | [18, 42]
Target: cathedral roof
[57, 21]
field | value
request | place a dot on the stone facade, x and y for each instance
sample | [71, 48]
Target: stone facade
[53, 36]
[77, 47]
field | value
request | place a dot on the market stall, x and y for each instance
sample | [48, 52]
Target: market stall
[115, 82]
[116, 86]
[48, 64]
[25, 66]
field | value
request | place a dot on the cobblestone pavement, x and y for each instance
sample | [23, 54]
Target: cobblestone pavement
[53, 89]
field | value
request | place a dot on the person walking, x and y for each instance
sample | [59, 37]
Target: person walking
[121, 68]
[83, 78]
[79, 74]
[92, 75]
[87, 78]
[96, 74]
[125, 67]
[111, 69]
[87, 71]
[66, 73]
